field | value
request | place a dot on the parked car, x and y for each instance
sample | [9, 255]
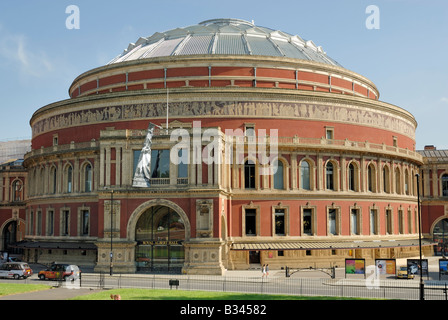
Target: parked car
[404, 274]
[15, 270]
[60, 271]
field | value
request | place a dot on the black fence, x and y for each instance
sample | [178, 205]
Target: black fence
[347, 288]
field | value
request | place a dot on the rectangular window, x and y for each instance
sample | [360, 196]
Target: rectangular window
[65, 222]
[307, 221]
[160, 163]
[182, 167]
[85, 222]
[39, 223]
[389, 221]
[251, 218]
[401, 221]
[136, 158]
[50, 222]
[329, 133]
[354, 229]
[373, 226]
[279, 221]
[332, 221]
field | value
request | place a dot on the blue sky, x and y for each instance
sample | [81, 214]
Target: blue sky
[406, 57]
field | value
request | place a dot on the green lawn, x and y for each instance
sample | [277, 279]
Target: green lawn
[156, 294]
[13, 288]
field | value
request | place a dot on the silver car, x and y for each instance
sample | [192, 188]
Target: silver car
[16, 270]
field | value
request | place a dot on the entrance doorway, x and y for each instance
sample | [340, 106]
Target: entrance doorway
[254, 257]
[10, 238]
[160, 233]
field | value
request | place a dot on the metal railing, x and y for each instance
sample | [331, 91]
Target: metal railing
[326, 287]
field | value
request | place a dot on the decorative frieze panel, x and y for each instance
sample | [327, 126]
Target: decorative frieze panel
[311, 111]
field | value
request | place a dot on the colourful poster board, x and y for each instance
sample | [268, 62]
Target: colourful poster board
[385, 266]
[355, 266]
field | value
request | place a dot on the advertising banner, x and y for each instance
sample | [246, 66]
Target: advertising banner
[443, 268]
[355, 266]
[414, 266]
[385, 266]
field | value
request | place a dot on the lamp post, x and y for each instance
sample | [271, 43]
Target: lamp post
[111, 225]
[111, 230]
[422, 288]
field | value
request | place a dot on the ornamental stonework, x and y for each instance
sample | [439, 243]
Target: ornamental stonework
[309, 111]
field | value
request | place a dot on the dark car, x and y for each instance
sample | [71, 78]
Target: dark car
[60, 271]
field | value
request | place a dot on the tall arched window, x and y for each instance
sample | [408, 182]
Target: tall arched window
[54, 180]
[305, 182]
[386, 179]
[69, 179]
[329, 176]
[17, 187]
[397, 181]
[88, 178]
[371, 178]
[351, 177]
[407, 189]
[278, 176]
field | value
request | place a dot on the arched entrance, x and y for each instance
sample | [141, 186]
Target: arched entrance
[440, 235]
[160, 232]
[10, 237]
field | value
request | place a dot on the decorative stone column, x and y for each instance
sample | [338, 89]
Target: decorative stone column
[204, 257]
[123, 256]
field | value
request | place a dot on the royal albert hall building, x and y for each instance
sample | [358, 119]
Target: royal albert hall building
[339, 181]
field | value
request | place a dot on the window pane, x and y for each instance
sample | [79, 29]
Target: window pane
[250, 222]
[280, 222]
[160, 163]
[329, 174]
[305, 175]
[278, 176]
[332, 221]
[182, 168]
[249, 175]
[307, 223]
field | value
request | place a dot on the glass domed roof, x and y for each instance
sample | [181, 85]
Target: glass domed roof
[224, 37]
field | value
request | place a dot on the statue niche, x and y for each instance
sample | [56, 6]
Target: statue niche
[204, 218]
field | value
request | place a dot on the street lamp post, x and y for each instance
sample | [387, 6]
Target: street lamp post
[111, 230]
[422, 286]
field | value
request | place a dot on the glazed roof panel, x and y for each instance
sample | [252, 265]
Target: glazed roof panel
[224, 37]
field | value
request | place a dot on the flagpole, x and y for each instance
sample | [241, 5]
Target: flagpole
[167, 108]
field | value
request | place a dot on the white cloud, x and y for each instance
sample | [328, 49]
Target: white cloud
[15, 52]
[444, 100]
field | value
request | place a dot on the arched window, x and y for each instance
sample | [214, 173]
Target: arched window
[371, 178]
[351, 177]
[249, 175]
[305, 182]
[17, 188]
[445, 185]
[88, 178]
[69, 179]
[329, 176]
[386, 179]
[397, 181]
[278, 175]
[53, 180]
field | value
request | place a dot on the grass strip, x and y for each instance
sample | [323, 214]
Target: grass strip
[15, 288]
[166, 294]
